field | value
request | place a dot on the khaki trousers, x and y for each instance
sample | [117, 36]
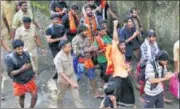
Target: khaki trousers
[63, 88]
[34, 59]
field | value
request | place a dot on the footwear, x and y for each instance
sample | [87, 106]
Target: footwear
[168, 101]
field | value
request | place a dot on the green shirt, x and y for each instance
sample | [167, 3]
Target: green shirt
[101, 58]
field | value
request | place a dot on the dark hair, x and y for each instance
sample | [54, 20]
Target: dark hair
[17, 43]
[162, 55]
[151, 33]
[87, 6]
[74, 6]
[63, 43]
[126, 19]
[53, 16]
[26, 20]
[99, 28]
[81, 28]
[110, 89]
[132, 9]
[121, 42]
[21, 3]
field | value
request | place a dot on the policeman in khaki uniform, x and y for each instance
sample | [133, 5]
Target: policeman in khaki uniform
[28, 35]
[9, 10]
[18, 17]
[66, 76]
[4, 30]
[3, 44]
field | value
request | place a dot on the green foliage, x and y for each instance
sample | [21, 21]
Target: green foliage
[44, 7]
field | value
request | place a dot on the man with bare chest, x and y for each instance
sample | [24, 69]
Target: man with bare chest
[123, 87]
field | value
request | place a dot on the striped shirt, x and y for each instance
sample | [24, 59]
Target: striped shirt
[150, 74]
[148, 51]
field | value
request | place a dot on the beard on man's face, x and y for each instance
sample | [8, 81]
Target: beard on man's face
[89, 14]
[83, 35]
[19, 53]
[134, 16]
[122, 50]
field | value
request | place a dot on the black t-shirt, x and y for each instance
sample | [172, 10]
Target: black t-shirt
[15, 62]
[55, 31]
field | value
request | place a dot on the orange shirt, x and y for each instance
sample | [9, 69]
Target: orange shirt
[119, 62]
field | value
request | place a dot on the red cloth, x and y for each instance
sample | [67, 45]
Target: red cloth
[21, 89]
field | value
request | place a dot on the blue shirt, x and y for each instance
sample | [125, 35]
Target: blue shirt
[124, 33]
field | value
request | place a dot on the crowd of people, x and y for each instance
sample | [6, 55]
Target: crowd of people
[80, 44]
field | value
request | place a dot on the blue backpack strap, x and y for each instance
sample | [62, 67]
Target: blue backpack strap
[52, 30]
[13, 58]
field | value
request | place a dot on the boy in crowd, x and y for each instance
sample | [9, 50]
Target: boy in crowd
[109, 100]
[155, 74]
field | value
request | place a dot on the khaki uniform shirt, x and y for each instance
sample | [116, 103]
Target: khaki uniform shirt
[18, 18]
[64, 64]
[27, 36]
[4, 30]
[9, 10]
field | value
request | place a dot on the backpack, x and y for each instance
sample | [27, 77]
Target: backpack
[13, 58]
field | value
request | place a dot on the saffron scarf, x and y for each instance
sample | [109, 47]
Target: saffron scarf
[72, 24]
[92, 29]
[100, 42]
[110, 66]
